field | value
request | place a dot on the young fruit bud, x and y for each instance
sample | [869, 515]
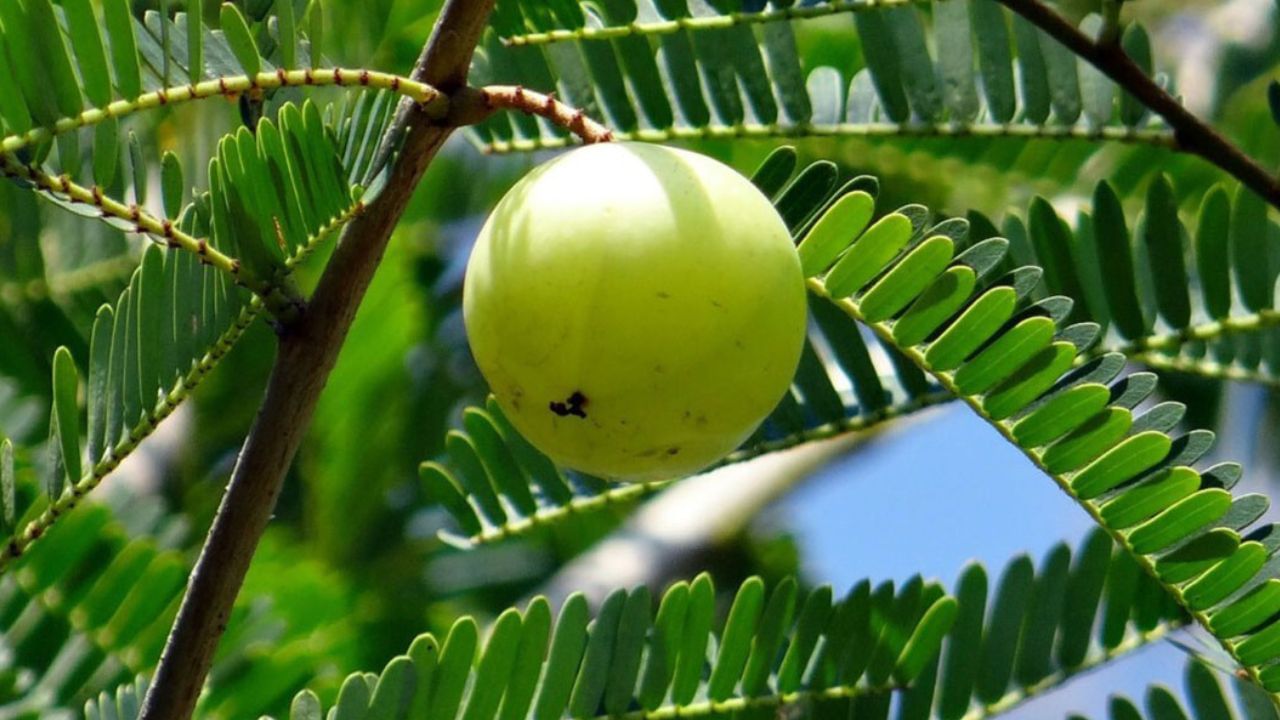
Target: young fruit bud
[637, 310]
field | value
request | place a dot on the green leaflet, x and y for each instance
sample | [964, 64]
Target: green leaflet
[1072, 425]
[849, 216]
[124, 47]
[86, 39]
[1112, 239]
[66, 418]
[1163, 239]
[236, 30]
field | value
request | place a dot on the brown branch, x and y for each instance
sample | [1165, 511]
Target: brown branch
[1191, 134]
[515, 97]
[307, 352]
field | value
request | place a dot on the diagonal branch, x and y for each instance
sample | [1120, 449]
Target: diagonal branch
[307, 352]
[277, 298]
[1191, 134]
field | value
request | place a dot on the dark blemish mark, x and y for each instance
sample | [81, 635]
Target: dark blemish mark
[673, 451]
[664, 295]
[573, 405]
[716, 303]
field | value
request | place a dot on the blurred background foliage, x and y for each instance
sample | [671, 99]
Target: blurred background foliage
[352, 568]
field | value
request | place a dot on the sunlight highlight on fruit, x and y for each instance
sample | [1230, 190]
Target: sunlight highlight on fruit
[636, 309]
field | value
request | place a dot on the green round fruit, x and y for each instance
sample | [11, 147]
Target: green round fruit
[636, 309]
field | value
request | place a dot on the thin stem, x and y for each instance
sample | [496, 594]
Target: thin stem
[143, 222]
[515, 97]
[668, 27]
[308, 350]
[1025, 694]
[276, 298]
[232, 86]
[1207, 368]
[748, 131]
[1204, 332]
[65, 284]
[1191, 134]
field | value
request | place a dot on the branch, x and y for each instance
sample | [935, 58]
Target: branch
[1191, 134]
[308, 350]
[515, 97]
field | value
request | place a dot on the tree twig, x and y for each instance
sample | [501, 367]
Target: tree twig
[307, 352]
[1191, 134]
[576, 121]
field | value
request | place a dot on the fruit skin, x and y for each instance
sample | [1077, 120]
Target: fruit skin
[636, 309]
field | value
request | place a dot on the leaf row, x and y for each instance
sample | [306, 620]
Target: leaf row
[1199, 297]
[1014, 360]
[1012, 638]
[776, 646]
[990, 73]
[64, 58]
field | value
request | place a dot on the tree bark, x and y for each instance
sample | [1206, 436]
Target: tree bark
[308, 349]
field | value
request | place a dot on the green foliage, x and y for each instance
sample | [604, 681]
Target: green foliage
[681, 661]
[1013, 362]
[90, 606]
[672, 70]
[1029, 317]
[786, 647]
[176, 319]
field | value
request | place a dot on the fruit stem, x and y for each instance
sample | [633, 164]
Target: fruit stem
[515, 97]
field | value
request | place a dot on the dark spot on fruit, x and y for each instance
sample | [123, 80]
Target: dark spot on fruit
[573, 405]
[673, 451]
[664, 295]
